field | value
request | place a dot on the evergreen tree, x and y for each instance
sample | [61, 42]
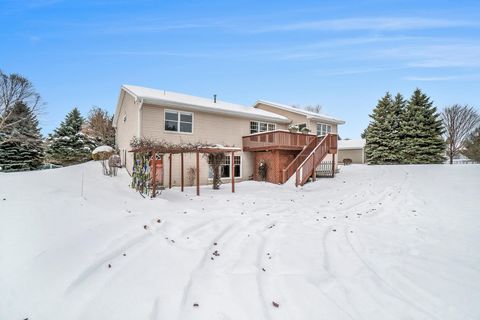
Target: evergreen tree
[21, 146]
[383, 145]
[422, 131]
[68, 145]
[472, 146]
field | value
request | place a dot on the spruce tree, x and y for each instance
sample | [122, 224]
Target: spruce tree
[68, 145]
[422, 131]
[21, 146]
[383, 145]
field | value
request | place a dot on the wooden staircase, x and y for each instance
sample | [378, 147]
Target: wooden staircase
[309, 158]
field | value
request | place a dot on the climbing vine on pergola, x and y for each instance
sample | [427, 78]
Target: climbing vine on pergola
[145, 149]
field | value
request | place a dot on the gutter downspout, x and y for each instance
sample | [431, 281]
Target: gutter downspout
[140, 122]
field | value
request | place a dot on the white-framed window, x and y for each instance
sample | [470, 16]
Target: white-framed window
[178, 121]
[323, 129]
[258, 126]
[226, 169]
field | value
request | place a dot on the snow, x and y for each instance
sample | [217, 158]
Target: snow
[375, 242]
[102, 149]
[351, 144]
[156, 96]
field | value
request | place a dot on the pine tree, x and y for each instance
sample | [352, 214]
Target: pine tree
[68, 145]
[472, 146]
[383, 145]
[422, 131]
[21, 146]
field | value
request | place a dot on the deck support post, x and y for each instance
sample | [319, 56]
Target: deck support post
[170, 171]
[181, 168]
[197, 171]
[232, 164]
[333, 165]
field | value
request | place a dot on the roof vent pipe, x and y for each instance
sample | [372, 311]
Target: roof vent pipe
[214, 98]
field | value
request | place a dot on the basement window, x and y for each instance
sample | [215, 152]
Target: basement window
[226, 169]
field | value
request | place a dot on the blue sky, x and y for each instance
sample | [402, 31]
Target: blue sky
[343, 55]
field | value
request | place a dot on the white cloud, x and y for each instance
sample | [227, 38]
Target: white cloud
[465, 77]
[385, 24]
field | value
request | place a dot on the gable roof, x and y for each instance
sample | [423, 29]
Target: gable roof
[351, 144]
[308, 114]
[174, 99]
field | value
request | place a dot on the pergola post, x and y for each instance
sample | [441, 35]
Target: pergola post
[181, 168]
[232, 165]
[197, 171]
[170, 171]
[154, 174]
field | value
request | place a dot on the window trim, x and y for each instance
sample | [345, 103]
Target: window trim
[230, 171]
[179, 112]
[258, 126]
[326, 125]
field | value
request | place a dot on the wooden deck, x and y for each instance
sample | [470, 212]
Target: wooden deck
[276, 140]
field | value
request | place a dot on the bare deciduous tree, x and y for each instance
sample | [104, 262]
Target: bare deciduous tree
[317, 108]
[99, 125]
[15, 88]
[459, 121]
[215, 160]
[314, 108]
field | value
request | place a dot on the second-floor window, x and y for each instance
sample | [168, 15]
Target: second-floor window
[258, 126]
[178, 121]
[323, 129]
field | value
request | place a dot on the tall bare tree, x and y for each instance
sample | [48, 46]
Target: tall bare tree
[99, 124]
[15, 88]
[459, 121]
[317, 108]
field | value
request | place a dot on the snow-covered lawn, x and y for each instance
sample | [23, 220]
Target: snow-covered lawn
[382, 242]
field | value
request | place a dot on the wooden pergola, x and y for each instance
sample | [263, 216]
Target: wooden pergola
[178, 149]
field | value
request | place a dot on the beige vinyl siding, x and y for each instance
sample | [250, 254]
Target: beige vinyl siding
[207, 128]
[128, 129]
[295, 118]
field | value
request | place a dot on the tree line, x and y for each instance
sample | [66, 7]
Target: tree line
[22, 146]
[413, 131]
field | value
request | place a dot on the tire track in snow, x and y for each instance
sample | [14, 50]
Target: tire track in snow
[100, 263]
[200, 265]
[384, 283]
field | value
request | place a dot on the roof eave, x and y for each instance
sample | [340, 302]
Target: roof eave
[299, 111]
[193, 107]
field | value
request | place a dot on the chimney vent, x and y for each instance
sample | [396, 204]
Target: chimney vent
[214, 98]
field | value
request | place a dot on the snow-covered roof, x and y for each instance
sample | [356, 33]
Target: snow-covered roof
[168, 98]
[308, 114]
[351, 144]
[102, 149]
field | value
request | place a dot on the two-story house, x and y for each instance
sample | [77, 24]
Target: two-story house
[260, 131]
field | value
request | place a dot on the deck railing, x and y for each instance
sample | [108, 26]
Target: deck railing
[307, 168]
[278, 139]
[293, 166]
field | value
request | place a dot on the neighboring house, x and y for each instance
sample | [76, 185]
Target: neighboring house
[352, 149]
[461, 159]
[177, 118]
